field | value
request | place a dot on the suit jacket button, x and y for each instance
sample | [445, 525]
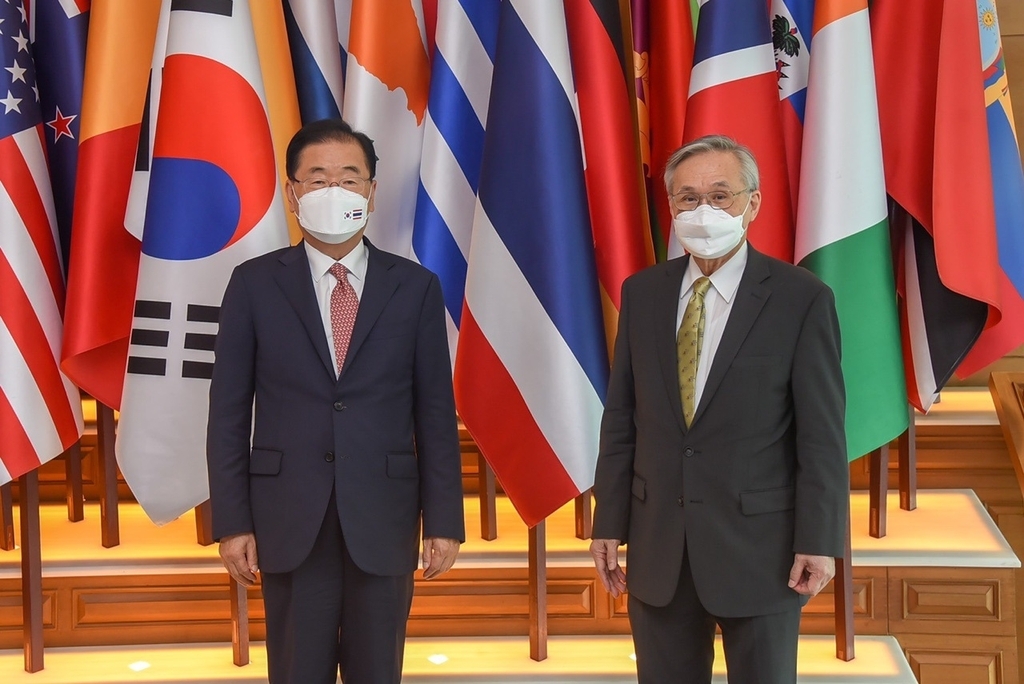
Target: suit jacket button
[680, 501]
[329, 456]
[688, 451]
[338, 406]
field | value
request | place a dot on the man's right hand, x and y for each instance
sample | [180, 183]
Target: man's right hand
[239, 555]
[606, 560]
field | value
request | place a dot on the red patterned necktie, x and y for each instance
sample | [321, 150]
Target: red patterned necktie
[344, 305]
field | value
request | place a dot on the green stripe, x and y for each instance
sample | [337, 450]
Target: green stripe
[859, 270]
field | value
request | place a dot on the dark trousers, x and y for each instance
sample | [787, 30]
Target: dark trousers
[327, 613]
[676, 643]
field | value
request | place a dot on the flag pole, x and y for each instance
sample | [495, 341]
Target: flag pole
[878, 465]
[6, 518]
[584, 515]
[488, 499]
[204, 524]
[31, 571]
[106, 466]
[843, 597]
[538, 592]
[73, 482]
[908, 464]
[239, 623]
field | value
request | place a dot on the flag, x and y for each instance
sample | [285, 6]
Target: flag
[213, 201]
[453, 142]
[105, 256]
[1008, 194]
[317, 55]
[59, 29]
[532, 366]
[935, 150]
[842, 234]
[622, 238]
[662, 57]
[386, 90]
[40, 410]
[791, 35]
[734, 91]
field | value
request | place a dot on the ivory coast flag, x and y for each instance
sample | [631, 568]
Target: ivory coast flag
[842, 232]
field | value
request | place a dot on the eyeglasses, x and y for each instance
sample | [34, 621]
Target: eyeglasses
[719, 199]
[352, 183]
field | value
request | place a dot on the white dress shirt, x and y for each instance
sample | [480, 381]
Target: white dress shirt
[323, 283]
[717, 305]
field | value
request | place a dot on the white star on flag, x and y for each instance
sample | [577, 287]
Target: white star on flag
[10, 103]
[24, 17]
[17, 72]
[22, 42]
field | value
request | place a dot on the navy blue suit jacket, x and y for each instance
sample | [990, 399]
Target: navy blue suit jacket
[382, 435]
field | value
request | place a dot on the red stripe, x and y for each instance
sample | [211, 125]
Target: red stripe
[1002, 338]
[17, 180]
[503, 427]
[622, 244]
[15, 448]
[104, 267]
[17, 313]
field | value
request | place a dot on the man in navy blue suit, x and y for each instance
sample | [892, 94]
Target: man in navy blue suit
[332, 433]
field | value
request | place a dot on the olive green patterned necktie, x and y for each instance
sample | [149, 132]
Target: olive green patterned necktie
[689, 340]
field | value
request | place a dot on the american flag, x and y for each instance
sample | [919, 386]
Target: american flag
[40, 411]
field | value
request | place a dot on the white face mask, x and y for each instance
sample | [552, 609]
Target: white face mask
[333, 215]
[707, 232]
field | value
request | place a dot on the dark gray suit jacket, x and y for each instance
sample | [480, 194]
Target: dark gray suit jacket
[383, 434]
[762, 472]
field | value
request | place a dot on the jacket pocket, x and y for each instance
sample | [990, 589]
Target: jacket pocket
[768, 500]
[402, 465]
[264, 462]
[639, 487]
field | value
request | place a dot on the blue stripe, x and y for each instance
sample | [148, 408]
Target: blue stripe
[484, 15]
[799, 102]
[436, 249]
[532, 188]
[803, 17]
[316, 101]
[730, 25]
[456, 119]
[1008, 190]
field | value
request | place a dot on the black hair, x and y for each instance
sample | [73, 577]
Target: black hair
[327, 130]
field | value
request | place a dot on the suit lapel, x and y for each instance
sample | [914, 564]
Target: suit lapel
[666, 308]
[750, 299]
[295, 281]
[380, 285]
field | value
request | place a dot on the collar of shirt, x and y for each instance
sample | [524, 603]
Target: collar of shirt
[354, 261]
[726, 280]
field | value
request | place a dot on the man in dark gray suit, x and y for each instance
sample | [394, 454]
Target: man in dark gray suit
[723, 462]
[341, 350]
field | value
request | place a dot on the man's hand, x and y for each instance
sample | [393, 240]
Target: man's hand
[606, 560]
[810, 574]
[438, 555]
[239, 555]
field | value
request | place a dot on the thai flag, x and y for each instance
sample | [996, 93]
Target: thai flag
[318, 57]
[58, 31]
[453, 145]
[532, 366]
[734, 91]
[40, 410]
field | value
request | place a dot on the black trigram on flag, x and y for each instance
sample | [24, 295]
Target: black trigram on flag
[155, 338]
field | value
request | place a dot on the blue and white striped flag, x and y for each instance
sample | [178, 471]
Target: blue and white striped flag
[453, 145]
[532, 366]
[317, 34]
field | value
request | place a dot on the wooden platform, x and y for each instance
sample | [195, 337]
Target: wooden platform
[572, 660]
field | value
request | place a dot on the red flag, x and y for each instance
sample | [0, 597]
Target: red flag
[105, 257]
[935, 146]
[622, 244]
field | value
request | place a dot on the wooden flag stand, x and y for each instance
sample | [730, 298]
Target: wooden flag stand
[6, 518]
[488, 493]
[239, 623]
[73, 482]
[538, 592]
[106, 476]
[843, 596]
[31, 571]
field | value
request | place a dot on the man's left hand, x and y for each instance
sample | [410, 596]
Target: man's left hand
[810, 574]
[438, 555]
